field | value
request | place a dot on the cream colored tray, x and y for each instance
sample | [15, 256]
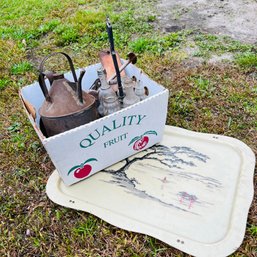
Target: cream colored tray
[192, 191]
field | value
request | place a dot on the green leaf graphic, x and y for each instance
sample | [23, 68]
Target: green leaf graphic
[134, 140]
[90, 160]
[153, 132]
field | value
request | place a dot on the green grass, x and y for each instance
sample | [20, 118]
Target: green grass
[4, 83]
[157, 45]
[253, 230]
[86, 228]
[21, 68]
[202, 85]
[218, 99]
[247, 60]
[209, 44]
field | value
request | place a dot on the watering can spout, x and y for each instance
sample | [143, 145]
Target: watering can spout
[79, 86]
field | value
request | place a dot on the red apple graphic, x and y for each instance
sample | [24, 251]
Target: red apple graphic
[141, 143]
[82, 170]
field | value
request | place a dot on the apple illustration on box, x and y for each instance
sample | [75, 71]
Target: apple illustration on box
[141, 142]
[82, 170]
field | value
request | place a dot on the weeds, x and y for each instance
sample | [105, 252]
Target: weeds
[253, 230]
[67, 34]
[49, 26]
[203, 85]
[247, 60]
[4, 82]
[86, 228]
[21, 68]
[157, 45]
[218, 44]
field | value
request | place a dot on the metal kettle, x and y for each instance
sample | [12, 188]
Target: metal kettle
[66, 106]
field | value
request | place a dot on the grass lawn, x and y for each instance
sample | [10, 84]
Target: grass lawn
[205, 96]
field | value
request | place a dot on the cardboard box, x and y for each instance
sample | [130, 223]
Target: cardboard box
[87, 149]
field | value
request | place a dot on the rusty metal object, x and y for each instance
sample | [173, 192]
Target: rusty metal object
[66, 106]
[30, 108]
[132, 58]
[107, 63]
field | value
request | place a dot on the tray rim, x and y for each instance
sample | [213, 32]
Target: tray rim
[224, 247]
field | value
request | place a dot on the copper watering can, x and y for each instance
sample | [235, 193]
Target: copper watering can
[66, 106]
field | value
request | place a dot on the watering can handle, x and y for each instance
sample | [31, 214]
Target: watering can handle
[41, 77]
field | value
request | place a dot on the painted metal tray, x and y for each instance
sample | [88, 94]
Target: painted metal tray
[192, 191]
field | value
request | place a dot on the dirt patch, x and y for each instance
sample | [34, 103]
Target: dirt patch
[235, 18]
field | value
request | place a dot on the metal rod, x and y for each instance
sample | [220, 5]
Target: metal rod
[132, 58]
[120, 70]
[114, 58]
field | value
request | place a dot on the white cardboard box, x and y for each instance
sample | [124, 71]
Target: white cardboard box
[87, 149]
